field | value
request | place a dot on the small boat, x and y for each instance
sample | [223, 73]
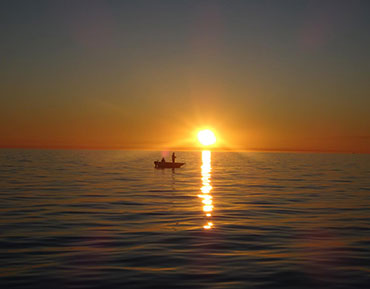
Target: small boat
[167, 165]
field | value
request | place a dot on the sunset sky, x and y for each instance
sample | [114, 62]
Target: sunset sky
[263, 75]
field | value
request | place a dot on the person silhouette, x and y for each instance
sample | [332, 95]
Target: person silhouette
[163, 160]
[173, 157]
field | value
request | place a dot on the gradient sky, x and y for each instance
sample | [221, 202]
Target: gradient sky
[266, 75]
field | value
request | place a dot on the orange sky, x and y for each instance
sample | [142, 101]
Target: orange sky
[125, 76]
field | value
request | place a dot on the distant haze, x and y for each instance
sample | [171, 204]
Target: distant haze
[264, 75]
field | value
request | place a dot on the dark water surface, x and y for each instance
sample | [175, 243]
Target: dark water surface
[108, 219]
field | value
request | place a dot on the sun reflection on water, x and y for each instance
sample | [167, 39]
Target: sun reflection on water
[206, 188]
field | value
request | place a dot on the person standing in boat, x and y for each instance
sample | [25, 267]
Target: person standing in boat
[173, 157]
[163, 160]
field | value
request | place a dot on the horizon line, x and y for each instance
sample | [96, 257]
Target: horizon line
[277, 150]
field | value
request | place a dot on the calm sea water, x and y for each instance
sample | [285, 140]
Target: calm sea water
[108, 219]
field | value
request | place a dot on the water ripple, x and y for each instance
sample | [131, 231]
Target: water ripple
[108, 219]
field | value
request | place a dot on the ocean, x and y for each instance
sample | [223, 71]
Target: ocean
[109, 219]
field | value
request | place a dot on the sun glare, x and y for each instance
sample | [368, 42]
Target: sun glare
[206, 137]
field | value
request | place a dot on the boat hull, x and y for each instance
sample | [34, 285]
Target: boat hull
[167, 165]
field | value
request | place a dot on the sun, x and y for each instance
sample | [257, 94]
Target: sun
[206, 137]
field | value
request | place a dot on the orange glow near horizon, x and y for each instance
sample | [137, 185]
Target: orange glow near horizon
[86, 132]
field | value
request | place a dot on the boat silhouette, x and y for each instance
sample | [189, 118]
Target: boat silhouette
[167, 165]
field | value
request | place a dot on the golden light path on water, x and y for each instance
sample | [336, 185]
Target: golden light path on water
[206, 188]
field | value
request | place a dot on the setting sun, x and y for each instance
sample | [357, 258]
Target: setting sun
[206, 137]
